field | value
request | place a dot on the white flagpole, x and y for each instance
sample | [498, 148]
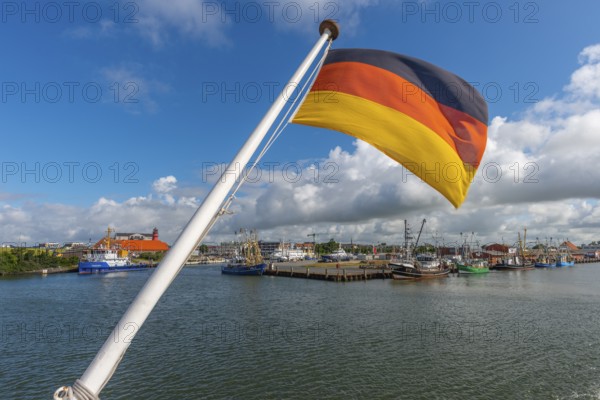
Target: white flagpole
[106, 361]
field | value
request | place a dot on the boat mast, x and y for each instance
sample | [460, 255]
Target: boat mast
[524, 243]
[521, 247]
[101, 369]
[406, 239]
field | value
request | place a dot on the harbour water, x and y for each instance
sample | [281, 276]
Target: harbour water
[521, 334]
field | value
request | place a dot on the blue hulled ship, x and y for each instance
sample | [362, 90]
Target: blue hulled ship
[249, 260]
[106, 259]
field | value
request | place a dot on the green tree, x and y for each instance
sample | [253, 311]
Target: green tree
[326, 248]
[425, 248]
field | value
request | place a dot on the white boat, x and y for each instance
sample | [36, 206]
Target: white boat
[337, 255]
[108, 259]
[101, 261]
[288, 255]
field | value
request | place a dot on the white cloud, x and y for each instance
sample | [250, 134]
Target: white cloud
[590, 55]
[189, 18]
[165, 185]
[103, 29]
[209, 21]
[538, 171]
[585, 82]
[305, 15]
[35, 222]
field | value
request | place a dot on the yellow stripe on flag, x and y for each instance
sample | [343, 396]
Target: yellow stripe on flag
[414, 145]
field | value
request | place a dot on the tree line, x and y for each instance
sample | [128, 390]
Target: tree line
[19, 260]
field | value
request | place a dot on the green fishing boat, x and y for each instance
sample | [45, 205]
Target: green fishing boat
[473, 267]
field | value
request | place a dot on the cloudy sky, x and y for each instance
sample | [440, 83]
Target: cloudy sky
[123, 114]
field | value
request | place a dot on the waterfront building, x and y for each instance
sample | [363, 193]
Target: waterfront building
[307, 248]
[74, 245]
[49, 245]
[496, 247]
[268, 248]
[137, 236]
[136, 242]
[568, 246]
[229, 249]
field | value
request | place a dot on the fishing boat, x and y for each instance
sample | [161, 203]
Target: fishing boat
[424, 266]
[107, 258]
[545, 262]
[472, 263]
[516, 261]
[545, 259]
[249, 260]
[473, 266]
[244, 269]
[565, 260]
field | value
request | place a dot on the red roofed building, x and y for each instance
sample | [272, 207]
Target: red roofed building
[496, 247]
[135, 242]
[142, 245]
[569, 245]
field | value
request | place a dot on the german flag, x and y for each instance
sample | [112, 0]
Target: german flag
[426, 118]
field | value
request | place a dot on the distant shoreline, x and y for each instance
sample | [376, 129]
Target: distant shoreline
[43, 271]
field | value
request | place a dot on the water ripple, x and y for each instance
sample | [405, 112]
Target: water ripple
[525, 335]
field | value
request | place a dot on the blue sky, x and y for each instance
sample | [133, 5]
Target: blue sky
[118, 115]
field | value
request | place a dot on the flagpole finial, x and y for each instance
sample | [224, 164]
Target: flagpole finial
[332, 26]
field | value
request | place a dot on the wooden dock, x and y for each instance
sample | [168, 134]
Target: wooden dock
[587, 260]
[346, 274]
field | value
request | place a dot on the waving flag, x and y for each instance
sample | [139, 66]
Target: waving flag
[426, 118]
